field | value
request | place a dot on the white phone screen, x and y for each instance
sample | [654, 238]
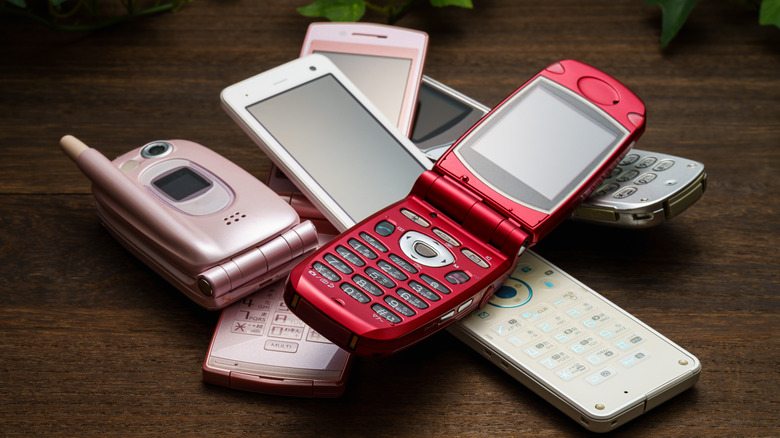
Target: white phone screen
[381, 78]
[338, 142]
[553, 141]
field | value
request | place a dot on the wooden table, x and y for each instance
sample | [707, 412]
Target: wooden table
[92, 342]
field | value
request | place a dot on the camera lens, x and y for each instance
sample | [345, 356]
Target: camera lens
[156, 149]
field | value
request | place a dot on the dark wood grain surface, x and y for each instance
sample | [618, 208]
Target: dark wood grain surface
[93, 343]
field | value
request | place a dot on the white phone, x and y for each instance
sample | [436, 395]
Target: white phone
[260, 346]
[645, 190]
[327, 137]
[384, 62]
[591, 359]
[288, 151]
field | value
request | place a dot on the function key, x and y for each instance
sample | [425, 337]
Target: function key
[646, 162]
[663, 165]
[385, 313]
[392, 270]
[645, 179]
[424, 291]
[354, 293]
[384, 228]
[625, 193]
[628, 176]
[373, 242]
[615, 172]
[326, 272]
[367, 286]
[434, 284]
[362, 249]
[403, 264]
[446, 237]
[414, 217]
[380, 278]
[399, 307]
[413, 299]
[471, 255]
[457, 277]
[338, 264]
[349, 256]
[629, 159]
[606, 189]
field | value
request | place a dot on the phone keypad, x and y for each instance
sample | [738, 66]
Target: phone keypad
[564, 333]
[264, 313]
[630, 172]
[370, 269]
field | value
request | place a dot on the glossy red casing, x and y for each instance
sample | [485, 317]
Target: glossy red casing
[479, 218]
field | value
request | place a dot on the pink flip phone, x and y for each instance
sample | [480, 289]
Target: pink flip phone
[426, 261]
[204, 224]
[384, 62]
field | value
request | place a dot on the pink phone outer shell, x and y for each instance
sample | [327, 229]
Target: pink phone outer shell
[297, 387]
[394, 42]
[347, 323]
[237, 258]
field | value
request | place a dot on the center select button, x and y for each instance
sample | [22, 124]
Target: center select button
[425, 250]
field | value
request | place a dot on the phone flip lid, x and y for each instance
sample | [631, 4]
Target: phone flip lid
[545, 148]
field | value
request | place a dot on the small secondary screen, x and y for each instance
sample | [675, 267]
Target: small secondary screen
[381, 78]
[340, 145]
[182, 183]
[541, 145]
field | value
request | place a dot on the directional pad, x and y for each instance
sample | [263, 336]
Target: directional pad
[425, 250]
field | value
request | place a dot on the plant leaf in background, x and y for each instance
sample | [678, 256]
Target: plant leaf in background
[335, 10]
[460, 3]
[674, 13]
[769, 13]
[20, 3]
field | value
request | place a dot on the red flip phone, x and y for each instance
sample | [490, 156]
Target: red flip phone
[426, 261]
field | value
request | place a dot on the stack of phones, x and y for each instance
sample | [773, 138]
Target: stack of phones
[436, 198]
[448, 244]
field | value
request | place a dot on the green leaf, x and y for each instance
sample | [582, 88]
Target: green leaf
[57, 2]
[674, 15]
[20, 3]
[335, 10]
[770, 13]
[460, 3]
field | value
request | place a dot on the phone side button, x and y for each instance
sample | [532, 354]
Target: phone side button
[447, 316]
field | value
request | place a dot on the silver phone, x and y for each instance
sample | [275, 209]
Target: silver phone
[589, 358]
[645, 190]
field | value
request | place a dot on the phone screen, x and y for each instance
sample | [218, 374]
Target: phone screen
[342, 147]
[554, 141]
[381, 78]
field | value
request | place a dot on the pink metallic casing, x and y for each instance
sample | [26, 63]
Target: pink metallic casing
[481, 219]
[375, 40]
[259, 346]
[253, 240]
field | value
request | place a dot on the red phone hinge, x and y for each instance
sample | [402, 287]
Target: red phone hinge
[479, 219]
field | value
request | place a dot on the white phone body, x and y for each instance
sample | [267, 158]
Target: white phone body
[331, 196]
[645, 190]
[589, 358]
[304, 115]
[260, 346]
[384, 62]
